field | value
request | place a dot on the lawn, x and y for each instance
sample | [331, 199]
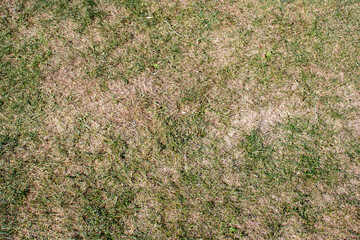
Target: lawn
[204, 119]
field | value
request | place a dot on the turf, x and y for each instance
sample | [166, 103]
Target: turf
[135, 119]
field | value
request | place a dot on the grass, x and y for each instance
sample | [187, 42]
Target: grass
[135, 119]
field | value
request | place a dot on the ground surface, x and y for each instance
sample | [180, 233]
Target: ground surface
[134, 119]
